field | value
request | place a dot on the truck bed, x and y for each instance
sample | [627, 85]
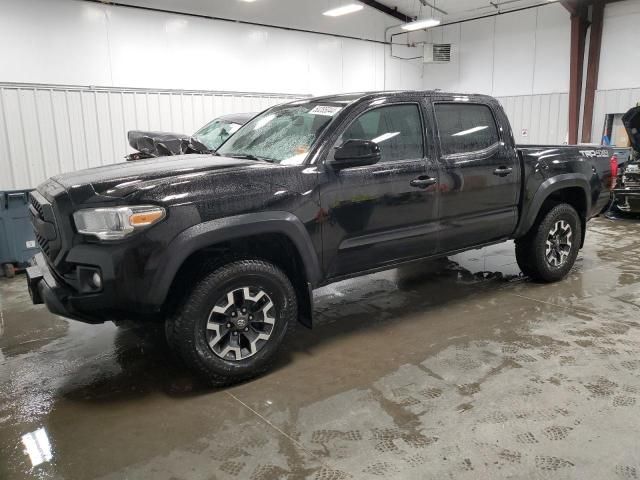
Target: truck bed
[589, 166]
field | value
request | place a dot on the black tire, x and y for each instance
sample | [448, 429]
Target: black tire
[187, 330]
[9, 270]
[531, 250]
[170, 336]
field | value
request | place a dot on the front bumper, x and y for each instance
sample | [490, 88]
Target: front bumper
[45, 287]
[627, 200]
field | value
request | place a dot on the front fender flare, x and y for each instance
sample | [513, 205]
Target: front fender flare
[229, 228]
[546, 188]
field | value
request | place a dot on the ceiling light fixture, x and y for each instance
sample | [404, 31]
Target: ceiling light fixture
[343, 10]
[421, 24]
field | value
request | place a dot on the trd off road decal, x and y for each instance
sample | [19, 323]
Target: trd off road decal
[594, 153]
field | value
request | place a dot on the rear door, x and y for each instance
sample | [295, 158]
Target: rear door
[480, 178]
[386, 212]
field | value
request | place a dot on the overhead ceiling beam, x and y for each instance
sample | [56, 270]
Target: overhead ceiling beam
[571, 6]
[388, 10]
[575, 7]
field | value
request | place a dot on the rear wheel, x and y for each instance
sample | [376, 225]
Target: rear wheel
[549, 251]
[232, 322]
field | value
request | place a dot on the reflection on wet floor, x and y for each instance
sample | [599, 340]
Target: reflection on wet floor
[453, 368]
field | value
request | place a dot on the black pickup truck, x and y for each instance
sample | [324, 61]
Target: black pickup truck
[227, 248]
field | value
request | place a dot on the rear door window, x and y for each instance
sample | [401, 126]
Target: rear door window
[465, 128]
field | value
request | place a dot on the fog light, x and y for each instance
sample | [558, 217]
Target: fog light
[96, 279]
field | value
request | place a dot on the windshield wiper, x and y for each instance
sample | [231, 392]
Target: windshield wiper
[248, 156]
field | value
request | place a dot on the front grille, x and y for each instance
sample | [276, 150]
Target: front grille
[36, 205]
[631, 180]
[43, 243]
[44, 224]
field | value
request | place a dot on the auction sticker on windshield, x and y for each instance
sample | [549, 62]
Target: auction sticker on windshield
[326, 110]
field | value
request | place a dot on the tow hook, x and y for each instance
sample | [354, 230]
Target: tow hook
[34, 277]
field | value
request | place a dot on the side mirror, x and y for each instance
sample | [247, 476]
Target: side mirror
[356, 153]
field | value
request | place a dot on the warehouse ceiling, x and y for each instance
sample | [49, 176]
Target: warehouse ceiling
[452, 10]
[307, 15]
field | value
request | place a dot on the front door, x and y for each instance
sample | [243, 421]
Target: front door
[381, 213]
[479, 179]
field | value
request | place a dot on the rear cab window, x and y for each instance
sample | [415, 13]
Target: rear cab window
[465, 128]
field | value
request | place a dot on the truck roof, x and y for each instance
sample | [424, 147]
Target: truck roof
[348, 98]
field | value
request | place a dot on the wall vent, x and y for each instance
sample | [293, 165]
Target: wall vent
[437, 53]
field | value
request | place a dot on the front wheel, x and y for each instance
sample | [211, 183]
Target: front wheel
[232, 322]
[549, 251]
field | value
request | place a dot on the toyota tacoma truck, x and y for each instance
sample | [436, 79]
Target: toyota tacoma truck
[227, 248]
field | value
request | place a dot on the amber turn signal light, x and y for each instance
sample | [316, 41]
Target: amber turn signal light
[143, 219]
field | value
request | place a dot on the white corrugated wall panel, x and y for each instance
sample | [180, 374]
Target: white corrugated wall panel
[611, 101]
[48, 129]
[544, 117]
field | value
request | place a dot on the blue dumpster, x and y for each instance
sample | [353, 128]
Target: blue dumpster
[17, 240]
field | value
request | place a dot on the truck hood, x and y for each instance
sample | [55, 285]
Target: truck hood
[631, 121]
[124, 178]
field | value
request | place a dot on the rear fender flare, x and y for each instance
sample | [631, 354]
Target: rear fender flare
[549, 186]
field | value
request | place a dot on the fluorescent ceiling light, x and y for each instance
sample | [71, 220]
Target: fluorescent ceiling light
[420, 24]
[37, 446]
[350, 8]
[471, 130]
[385, 136]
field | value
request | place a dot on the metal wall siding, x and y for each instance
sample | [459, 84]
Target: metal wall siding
[545, 117]
[49, 129]
[611, 101]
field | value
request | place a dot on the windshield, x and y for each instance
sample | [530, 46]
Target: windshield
[216, 132]
[282, 134]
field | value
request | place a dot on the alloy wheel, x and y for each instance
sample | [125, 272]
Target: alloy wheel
[240, 323]
[559, 243]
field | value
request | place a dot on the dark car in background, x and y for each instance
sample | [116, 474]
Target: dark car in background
[207, 139]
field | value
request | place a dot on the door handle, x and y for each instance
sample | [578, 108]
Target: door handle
[503, 171]
[423, 182]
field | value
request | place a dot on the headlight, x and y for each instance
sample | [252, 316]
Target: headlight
[116, 223]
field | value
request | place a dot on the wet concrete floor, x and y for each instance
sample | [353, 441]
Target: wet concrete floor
[458, 368]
